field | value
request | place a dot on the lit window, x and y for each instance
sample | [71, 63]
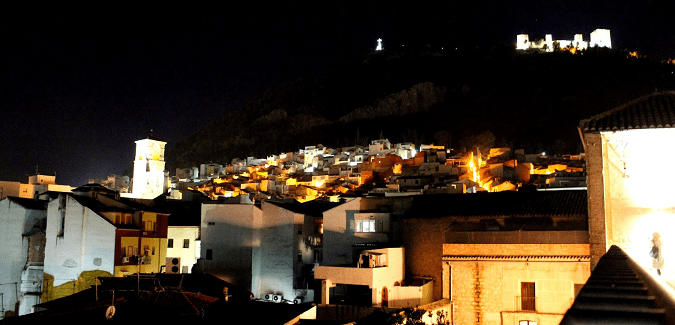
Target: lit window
[365, 225]
[527, 322]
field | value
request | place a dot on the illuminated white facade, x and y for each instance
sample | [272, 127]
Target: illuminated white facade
[549, 43]
[629, 180]
[186, 246]
[379, 45]
[601, 38]
[522, 41]
[638, 201]
[149, 176]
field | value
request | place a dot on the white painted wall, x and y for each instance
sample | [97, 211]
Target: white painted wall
[86, 238]
[188, 256]
[14, 221]
[278, 251]
[231, 232]
[281, 246]
[339, 229]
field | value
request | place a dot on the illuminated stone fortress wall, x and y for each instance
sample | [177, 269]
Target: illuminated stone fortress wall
[599, 37]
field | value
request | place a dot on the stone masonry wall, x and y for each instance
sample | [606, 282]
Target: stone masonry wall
[487, 292]
[423, 241]
[596, 197]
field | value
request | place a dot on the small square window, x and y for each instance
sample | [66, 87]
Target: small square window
[186, 243]
[170, 243]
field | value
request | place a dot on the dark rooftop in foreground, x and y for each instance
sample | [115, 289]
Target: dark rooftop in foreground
[619, 291]
[656, 110]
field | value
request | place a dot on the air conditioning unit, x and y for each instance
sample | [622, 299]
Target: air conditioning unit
[125, 260]
[268, 297]
[172, 265]
[297, 300]
[277, 298]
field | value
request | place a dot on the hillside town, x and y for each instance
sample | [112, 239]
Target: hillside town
[381, 169]
[484, 236]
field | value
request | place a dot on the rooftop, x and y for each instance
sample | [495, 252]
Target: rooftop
[656, 110]
[619, 291]
[506, 204]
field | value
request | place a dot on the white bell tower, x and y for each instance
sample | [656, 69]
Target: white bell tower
[379, 45]
[149, 165]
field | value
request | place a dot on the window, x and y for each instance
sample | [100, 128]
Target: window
[62, 214]
[170, 243]
[527, 297]
[365, 225]
[211, 223]
[186, 243]
[209, 254]
[526, 322]
[149, 226]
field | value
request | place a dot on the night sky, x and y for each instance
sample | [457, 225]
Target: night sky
[80, 84]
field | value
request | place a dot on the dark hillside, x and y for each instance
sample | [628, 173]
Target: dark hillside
[499, 97]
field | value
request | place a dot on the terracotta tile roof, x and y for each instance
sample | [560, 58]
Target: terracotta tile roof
[652, 111]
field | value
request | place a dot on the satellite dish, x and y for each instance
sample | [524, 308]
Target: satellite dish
[110, 312]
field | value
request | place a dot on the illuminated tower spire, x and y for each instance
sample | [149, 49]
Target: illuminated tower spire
[379, 45]
[149, 165]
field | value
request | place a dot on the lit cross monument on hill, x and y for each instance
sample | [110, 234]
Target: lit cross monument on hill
[379, 45]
